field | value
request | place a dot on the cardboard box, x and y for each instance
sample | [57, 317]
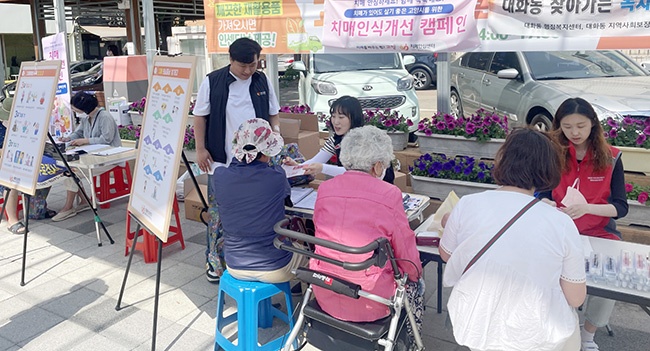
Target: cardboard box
[400, 181]
[406, 158]
[308, 143]
[307, 122]
[289, 128]
[193, 204]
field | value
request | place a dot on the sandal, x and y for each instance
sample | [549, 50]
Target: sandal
[17, 228]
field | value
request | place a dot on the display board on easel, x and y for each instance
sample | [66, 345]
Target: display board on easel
[28, 125]
[161, 143]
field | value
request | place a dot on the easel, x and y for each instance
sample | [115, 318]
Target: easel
[75, 177]
[26, 199]
[139, 226]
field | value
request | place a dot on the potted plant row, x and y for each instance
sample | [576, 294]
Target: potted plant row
[480, 135]
[396, 125]
[639, 209]
[630, 135]
[435, 175]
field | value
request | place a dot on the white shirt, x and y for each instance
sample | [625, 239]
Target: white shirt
[238, 109]
[511, 298]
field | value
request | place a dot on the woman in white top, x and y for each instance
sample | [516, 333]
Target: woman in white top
[521, 293]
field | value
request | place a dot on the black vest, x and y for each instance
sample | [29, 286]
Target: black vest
[220, 80]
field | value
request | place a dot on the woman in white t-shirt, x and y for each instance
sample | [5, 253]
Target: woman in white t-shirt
[521, 293]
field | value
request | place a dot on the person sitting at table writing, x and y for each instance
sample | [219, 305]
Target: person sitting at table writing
[516, 291]
[593, 172]
[96, 126]
[346, 114]
[356, 208]
[251, 196]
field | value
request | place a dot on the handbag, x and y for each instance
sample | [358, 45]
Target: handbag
[500, 233]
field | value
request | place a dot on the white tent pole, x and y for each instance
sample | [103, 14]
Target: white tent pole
[444, 82]
[150, 30]
[272, 72]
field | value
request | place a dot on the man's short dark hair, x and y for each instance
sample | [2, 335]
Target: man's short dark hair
[528, 160]
[84, 101]
[244, 50]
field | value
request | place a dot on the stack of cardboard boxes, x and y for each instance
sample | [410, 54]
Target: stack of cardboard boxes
[301, 129]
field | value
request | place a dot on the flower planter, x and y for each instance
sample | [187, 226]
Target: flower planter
[440, 188]
[635, 159]
[129, 143]
[638, 214]
[399, 139]
[136, 118]
[452, 145]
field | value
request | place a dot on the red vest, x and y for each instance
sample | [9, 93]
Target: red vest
[594, 186]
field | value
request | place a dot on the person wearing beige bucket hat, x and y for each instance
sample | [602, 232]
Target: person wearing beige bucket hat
[251, 196]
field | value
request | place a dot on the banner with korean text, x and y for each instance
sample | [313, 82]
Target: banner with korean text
[544, 32]
[54, 48]
[390, 25]
[279, 26]
[161, 143]
[27, 125]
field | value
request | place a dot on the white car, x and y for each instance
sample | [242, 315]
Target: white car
[377, 80]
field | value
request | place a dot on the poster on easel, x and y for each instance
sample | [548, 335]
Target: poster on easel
[54, 48]
[161, 143]
[28, 125]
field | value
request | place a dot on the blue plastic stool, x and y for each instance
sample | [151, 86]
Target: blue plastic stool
[254, 310]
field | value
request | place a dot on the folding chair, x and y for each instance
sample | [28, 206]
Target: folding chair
[328, 333]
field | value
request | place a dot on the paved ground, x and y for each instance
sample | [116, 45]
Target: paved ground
[72, 288]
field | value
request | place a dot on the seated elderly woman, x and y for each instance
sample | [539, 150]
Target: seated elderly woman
[356, 208]
[96, 126]
[250, 197]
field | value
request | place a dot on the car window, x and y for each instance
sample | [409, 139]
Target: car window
[355, 62]
[478, 60]
[580, 64]
[504, 60]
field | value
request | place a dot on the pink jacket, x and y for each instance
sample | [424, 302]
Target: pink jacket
[354, 209]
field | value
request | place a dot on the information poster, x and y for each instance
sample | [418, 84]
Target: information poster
[28, 124]
[161, 143]
[54, 48]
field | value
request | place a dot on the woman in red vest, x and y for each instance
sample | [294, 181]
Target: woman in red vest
[591, 191]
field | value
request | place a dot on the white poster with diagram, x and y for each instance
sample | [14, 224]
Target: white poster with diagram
[161, 143]
[28, 125]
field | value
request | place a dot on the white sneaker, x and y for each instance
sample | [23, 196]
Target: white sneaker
[589, 346]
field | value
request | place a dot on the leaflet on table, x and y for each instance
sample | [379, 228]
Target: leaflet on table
[112, 151]
[308, 202]
[410, 203]
[298, 194]
[90, 148]
[293, 171]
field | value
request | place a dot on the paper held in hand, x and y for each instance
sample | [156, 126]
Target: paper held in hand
[445, 207]
[293, 171]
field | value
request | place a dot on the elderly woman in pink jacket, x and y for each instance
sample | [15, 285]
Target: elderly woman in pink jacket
[354, 209]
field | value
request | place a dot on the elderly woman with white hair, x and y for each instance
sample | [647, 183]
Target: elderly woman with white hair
[354, 209]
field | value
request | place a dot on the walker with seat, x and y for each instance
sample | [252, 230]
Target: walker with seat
[328, 333]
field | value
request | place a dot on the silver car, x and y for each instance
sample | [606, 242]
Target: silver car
[529, 86]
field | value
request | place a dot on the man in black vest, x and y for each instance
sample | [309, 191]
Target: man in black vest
[228, 97]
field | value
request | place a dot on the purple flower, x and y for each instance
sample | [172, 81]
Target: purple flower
[427, 157]
[646, 130]
[641, 139]
[628, 120]
[613, 133]
[428, 132]
[480, 175]
[451, 125]
[441, 125]
[470, 128]
[468, 171]
[409, 123]
[458, 168]
[611, 122]
[449, 118]
[447, 166]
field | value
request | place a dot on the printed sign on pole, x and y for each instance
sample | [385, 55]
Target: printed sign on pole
[161, 143]
[54, 48]
[27, 125]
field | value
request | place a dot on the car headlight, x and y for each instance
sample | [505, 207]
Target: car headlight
[324, 88]
[405, 83]
[89, 80]
[604, 113]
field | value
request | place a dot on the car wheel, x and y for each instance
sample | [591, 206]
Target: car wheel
[542, 122]
[421, 79]
[456, 105]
